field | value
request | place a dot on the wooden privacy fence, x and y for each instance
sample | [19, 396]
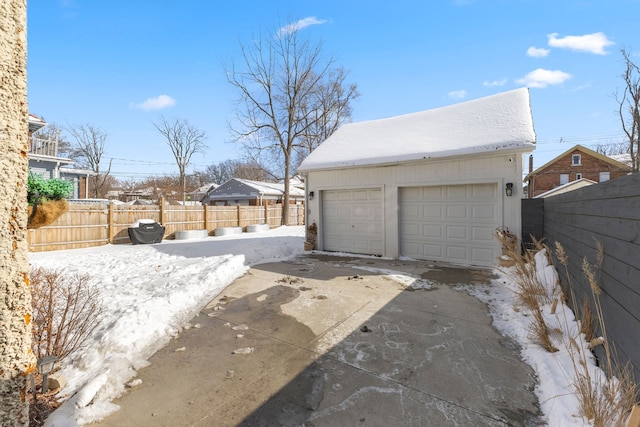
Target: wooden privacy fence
[85, 225]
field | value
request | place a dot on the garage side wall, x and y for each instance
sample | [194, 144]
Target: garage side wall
[502, 169]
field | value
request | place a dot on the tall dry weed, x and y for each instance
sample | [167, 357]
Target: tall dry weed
[530, 294]
[605, 396]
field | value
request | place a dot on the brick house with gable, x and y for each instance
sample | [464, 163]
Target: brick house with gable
[576, 163]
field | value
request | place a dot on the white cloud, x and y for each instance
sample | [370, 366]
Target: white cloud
[592, 43]
[541, 78]
[495, 83]
[300, 24]
[457, 94]
[157, 103]
[537, 52]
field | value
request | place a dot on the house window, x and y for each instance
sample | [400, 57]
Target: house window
[564, 178]
[576, 160]
[604, 176]
[579, 175]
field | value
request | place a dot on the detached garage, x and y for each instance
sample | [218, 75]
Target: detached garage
[432, 185]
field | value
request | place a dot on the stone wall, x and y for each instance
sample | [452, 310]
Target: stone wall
[16, 359]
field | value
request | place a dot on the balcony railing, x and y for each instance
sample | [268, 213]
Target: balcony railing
[44, 146]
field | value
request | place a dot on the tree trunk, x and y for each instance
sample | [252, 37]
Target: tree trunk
[16, 359]
[285, 201]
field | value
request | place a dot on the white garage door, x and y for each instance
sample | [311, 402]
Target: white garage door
[352, 221]
[452, 223]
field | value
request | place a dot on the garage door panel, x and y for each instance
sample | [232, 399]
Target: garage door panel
[434, 231]
[432, 211]
[353, 220]
[432, 251]
[457, 212]
[456, 192]
[483, 233]
[457, 232]
[484, 191]
[483, 212]
[411, 230]
[457, 253]
[432, 193]
[450, 223]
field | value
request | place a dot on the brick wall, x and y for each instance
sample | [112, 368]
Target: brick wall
[590, 168]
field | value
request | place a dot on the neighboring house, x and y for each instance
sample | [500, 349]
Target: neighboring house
[565, 188]
[574, 164]
[44, 160]
[433, 185]
[197, 194]
[243, 192]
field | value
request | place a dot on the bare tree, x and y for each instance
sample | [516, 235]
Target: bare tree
[629, 107]
[87, 150]
[612, 149]
[334, 98]
[184, 140]
[16, 359]
[224, 171]
[281, 80]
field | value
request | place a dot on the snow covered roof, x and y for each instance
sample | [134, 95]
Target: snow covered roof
[272, 187]
[237, 187]
[204, 188]
[494, 123]
[36, 122]
[564, 188]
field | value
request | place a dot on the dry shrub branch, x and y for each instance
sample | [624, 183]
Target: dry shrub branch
[66, 311]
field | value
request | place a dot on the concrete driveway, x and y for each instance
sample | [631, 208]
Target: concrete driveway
[338, 341]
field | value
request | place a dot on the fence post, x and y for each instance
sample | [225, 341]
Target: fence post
[266, 213]
[110, 223]
[239, 209]
[205, 217]
[162, 210]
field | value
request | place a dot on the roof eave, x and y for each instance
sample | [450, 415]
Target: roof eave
[520, 148]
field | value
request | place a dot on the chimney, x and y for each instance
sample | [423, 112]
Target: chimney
[530, 163]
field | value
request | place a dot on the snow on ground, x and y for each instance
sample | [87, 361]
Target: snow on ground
[151, 291]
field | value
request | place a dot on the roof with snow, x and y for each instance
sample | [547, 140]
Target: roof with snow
[494, 123]
[245, 187]
[564, 188]
[36, 122]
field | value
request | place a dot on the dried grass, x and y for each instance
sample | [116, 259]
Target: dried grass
[530, 294]
[605, 397]
[46, 213]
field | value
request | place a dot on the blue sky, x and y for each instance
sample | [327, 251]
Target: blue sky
[120, 64]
